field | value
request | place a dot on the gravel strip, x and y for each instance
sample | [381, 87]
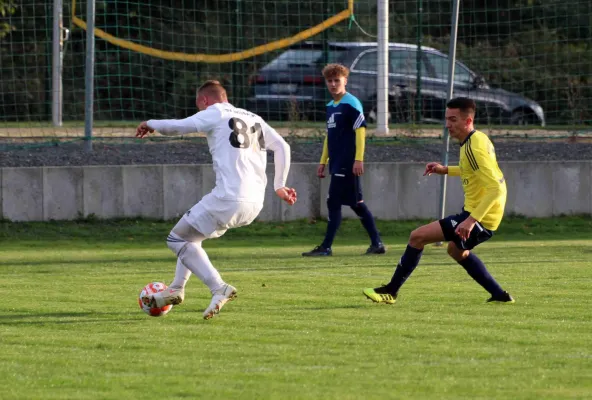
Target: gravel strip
[196, 152]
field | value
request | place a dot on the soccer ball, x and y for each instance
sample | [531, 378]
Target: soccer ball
[152, 288]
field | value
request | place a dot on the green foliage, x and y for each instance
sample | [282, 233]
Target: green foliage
[541, 49]
[7, 7]
[527, 63]
[25, 43]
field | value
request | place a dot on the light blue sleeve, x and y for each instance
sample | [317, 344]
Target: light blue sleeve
[356, 110]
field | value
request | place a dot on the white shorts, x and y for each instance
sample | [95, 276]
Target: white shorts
[212, 217]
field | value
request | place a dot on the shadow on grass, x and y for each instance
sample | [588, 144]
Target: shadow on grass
[49, 315]
[320, 308]
[83, 261]
[61, 318]
[213, 255]
[312, 264]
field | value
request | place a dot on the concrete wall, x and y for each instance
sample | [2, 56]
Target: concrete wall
[391, 190]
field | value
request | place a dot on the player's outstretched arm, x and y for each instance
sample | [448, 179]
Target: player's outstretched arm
[143, 129]
[173, 126]
[203, 121]
[435, 168]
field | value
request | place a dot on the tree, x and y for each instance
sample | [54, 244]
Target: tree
[7, 7]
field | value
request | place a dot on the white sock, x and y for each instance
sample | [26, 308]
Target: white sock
[185, 242]
[196, 259]
[182, 274]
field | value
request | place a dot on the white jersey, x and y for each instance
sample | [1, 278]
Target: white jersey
[238, 140]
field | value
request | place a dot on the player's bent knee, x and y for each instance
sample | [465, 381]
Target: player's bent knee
[416, 238]
[360, 208]
[176, 243]
[456, 253]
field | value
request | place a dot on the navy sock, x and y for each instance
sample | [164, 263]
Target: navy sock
[408, 263]
[332, 226]
[476, 269]
[367, 220]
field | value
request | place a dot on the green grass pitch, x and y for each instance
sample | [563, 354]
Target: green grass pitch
[71, 328]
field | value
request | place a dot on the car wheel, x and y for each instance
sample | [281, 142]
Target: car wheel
[524, 118]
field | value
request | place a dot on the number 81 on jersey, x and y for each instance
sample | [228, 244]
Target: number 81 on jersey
[244, 136]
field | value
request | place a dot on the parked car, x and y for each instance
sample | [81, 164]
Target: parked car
[291, 86]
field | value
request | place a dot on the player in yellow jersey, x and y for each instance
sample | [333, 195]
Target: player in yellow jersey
[485, 192]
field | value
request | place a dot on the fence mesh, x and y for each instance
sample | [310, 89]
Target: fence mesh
[524, 61]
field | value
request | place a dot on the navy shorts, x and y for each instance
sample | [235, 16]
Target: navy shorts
[478, 235]
[345, 189]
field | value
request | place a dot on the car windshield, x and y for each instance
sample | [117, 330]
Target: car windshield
[440, 65]
[301, 58]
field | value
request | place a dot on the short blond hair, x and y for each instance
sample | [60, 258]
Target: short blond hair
[212, 88]
[335, 71]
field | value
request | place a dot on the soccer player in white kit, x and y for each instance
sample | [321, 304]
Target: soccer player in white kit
[238, 140]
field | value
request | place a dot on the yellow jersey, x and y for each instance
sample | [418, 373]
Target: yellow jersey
[483, 182]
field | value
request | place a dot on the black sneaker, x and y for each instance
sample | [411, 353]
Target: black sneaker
[380, 295]
[503, 298]
[318, 251]
[380, 249]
